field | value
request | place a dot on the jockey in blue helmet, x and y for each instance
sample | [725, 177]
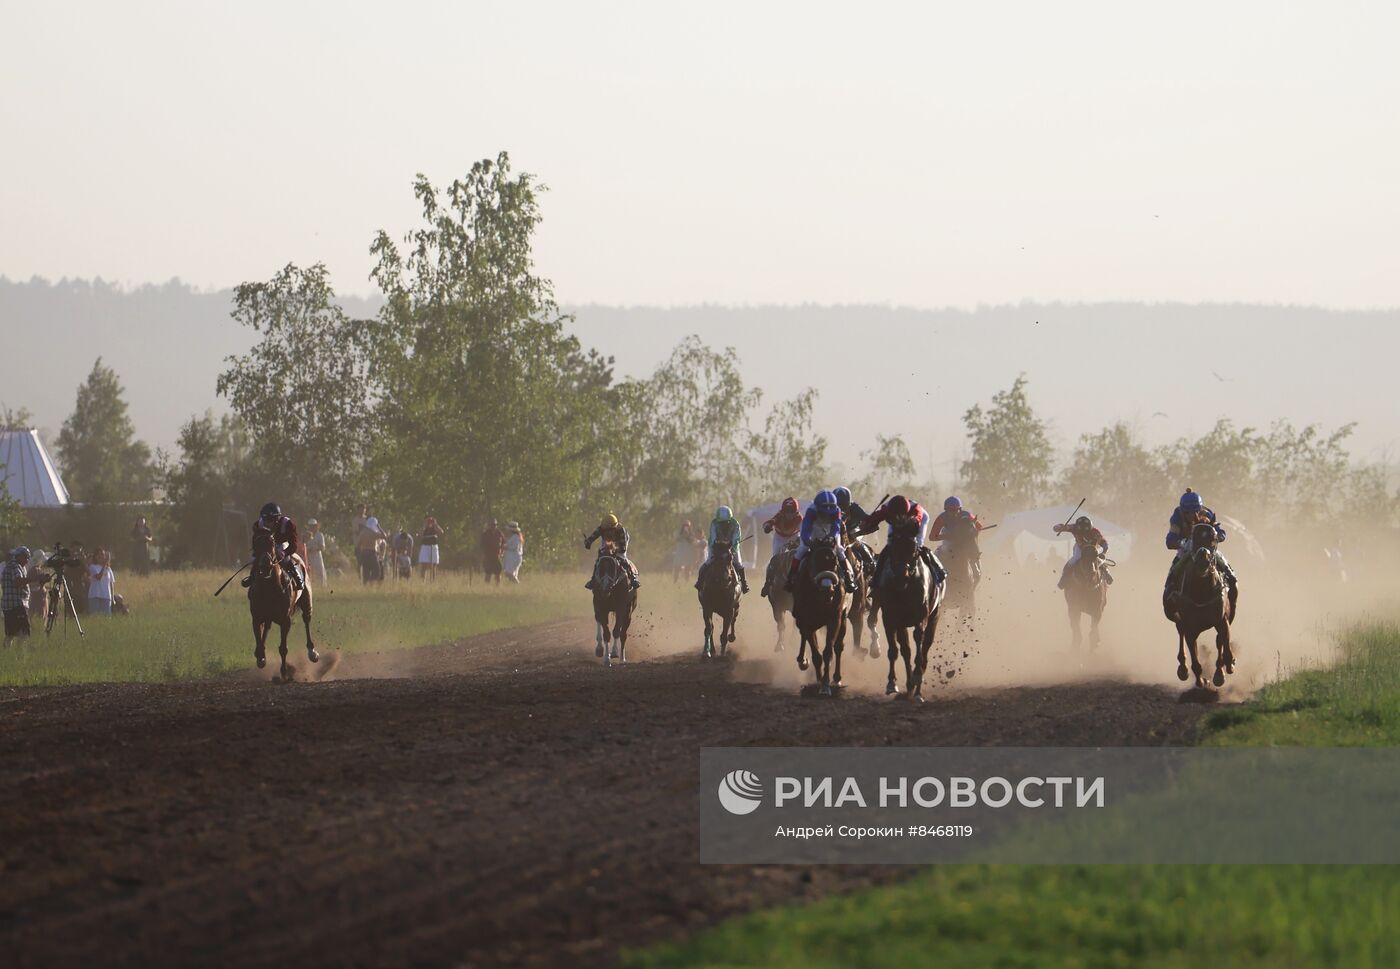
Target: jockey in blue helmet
[724, 530]
[1190, 512]
[823, 523]
[853, 517]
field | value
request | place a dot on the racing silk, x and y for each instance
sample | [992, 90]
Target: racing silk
[821, 527]
[941, 523]
[618, 536]
[882, 514]
[284, 530]
[856, 516]
[785, 523]
[725, 532]
[1183, 521]
[1090, 539]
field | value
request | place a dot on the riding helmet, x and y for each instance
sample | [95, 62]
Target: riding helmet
[899, 505]
[843, 497]
[609, 521]
[1084, 522]
[271, 510]
[723, 514]
[826, 502]
[952, 504]
[1190, 501]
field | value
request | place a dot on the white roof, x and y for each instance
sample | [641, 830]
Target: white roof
[27, 473]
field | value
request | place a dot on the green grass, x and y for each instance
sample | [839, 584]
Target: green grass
[1133, 915]
[178, 630]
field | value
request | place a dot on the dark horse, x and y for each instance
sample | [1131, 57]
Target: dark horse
[1086, 594]
[1200, 599]
[612, 595]
[719, 596]
[963, 560]
[909, 597]
[274, 600]
[819, 603]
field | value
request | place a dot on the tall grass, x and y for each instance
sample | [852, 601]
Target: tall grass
[177, 629]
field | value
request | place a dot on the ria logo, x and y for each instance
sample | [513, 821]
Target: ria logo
[740, 792]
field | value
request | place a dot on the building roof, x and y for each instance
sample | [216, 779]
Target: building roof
[27, 472]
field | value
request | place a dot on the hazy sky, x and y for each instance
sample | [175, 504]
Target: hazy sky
[919, 154]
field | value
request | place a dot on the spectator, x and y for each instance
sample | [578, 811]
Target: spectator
[367, 550]
[403, 553]
[515, 552]
[315, 551]
[141, 546]
[15, 583]
[493, 546]
[359, 522]
[430, 552]
[100, 583]
[39, 592]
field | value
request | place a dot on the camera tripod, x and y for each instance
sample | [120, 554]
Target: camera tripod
[61, 598]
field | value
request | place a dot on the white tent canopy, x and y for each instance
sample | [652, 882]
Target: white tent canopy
[27, 473]
[1031, 534]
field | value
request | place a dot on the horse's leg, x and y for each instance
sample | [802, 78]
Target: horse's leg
[285, 628]
[840, 648]
[1196, 669]
[892, 651]
[311, 653]
[924, 644]
[1095, 618]
[781, 624]
[709, 632]
[1076, 637]
[1222, 652]
[828, 656]
[260, 643]
[1181, 673]
[600, 621]
[872, 616]
[802, 648]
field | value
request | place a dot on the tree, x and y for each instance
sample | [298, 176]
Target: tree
[101, 459]
[787, 457]
[215, 471]
[1118, 476]
[487, 407]
[1010, 463]
[303, 393]
[891, 472]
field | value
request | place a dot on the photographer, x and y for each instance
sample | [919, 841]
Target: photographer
[15, 581]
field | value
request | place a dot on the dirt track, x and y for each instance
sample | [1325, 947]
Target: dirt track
[503, 801]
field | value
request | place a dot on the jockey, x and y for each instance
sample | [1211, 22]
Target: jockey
[1086, 537]
[952, 510]
[1191, 511]
[724, 530]
[611, 530]
[286, 545]
[855, 516]
[901, 507]
[785, 526]
[823, 522]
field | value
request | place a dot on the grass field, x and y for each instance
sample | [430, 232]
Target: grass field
[177, 629]
[1133, 915]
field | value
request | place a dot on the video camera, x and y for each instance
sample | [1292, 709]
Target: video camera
[62, 559]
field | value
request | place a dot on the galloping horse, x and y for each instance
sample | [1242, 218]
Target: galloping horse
[612, 595]
[909, 597]
[819, 602]
[859, 605]
[274, 600]
[964, 564]
[719, 595]
[1086, 594]
[779, 598]
[1202, 601]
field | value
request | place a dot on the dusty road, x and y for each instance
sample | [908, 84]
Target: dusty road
[503, 801]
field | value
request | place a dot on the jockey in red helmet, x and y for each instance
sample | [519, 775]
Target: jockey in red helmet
[900, 509]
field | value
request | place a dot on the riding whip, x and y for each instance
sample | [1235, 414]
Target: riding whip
[232, 577]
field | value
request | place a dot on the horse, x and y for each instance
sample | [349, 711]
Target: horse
[963, 560]
[614, 596]
[859, 604]
[719, 595]
[1202, 601]
[273, 600]
[1086, 594]
[818, 603]
[779, 598]
[909, 597]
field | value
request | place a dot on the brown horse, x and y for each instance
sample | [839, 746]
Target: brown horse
[819, 603]
[273, 600]
[719, 596]
[1086, 594]
[779, 599]
[613, 596]
[1200, 599]
[909, 597]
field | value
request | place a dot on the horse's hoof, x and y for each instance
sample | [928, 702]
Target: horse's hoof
[614, 654]
[891, 689]
[1181, 673]
[599, 651]
[1230, 668]
[838, 682]
[312, 655]
[874, 652]
[262, 661]
[1219, 678]
[802, 664]
[825, 690]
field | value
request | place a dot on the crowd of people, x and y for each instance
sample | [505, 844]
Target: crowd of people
[380, 553]
[34, 582]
